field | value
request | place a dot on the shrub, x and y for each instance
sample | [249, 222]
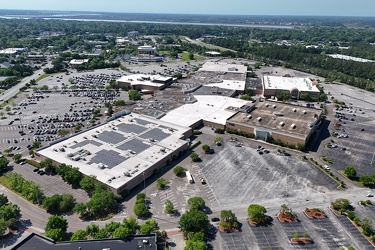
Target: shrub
[351, 215]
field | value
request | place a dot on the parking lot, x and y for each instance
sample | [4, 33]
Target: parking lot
[51, 184]
[328, 233]
[240, 175]
[353, 140]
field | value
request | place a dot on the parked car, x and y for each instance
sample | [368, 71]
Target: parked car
[214, 219]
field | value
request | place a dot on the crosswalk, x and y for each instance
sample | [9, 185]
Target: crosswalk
[210, 195]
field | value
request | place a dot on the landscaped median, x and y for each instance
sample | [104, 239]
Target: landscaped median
[314, 213]
[342, 184]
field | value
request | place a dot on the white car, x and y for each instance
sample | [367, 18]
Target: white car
[370, 195]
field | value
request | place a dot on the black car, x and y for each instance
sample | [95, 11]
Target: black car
[214, 219]
[35, 170]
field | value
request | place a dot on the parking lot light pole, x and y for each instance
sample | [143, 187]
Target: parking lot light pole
[372, 158]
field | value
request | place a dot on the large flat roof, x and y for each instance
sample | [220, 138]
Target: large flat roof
[130, 144]
[289, 83]
[147, 80]
[284, 118]
[229, 84]
[223, 67]
[208, 107]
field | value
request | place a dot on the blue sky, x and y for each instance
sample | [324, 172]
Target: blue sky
[233, 7]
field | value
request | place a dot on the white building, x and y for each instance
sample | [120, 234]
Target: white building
[144, 83]
[223, 68]
[294, 85]
[210, 110]
[122, 152]
[149, 50]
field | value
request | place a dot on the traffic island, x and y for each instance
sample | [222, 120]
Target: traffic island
[314, 213]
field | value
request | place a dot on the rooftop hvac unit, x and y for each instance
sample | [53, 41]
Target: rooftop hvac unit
[274, 106]
[267, 105]
[259, 119]
[293, 126]
[281, 124]
[294, 110]
[249, 116]
[304, 111]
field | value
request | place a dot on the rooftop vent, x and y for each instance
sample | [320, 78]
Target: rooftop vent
[267, 105]
[281, 124]
[294, 110]
[274, 106]
[259, 119]
[293, 126]
[304, 111]
[249, 116]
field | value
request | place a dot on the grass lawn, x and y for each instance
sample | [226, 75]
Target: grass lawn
[42, 77]
[9, 102]
[4, 181]
[164, 52]
[185, 57]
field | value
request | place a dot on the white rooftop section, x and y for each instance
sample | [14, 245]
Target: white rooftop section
[208, 108]
[147, 48]
[119, 150]
[11, 50]
[350, 58]
[289, 83]
[78, 61]
[213, 53]
[142, 79]
[229, 84]
[223, 67]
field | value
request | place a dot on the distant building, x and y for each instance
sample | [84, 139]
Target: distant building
[146, 50]
[223, 68]
[133, 33]
[272, 85]
[288, 123]
[144, 83]
[213, 53]
[75, 62]
[37, 241]
[12, 51]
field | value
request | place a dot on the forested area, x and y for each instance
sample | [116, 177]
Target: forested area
[263, 45]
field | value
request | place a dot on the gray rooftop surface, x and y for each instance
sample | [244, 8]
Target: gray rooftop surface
[143, 122]
[156, 134]
[111, 137]
[108, 157]
[35, 241]
[131, 128]
[134, 145]
[85, 143]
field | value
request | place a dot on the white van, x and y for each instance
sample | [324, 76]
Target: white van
[326, 167]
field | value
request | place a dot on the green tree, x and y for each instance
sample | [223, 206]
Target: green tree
[196, 203]
[81, 209]
[140, 209]
[121, 232]
[195, 245]
[367, 227]
[92, 230]
[119, 103]
[57, 222]
[63, 132]
[191, 56]
[36, 144]
[194, 157]
[46, 164]
[17, 158]
[169, 207]
[193, 221]
[228, 219]
[132, 224]
[150, 226]
[179, 170]
[161, 183]
[57, 234]
[79, 235]
[88, 184]
[350, 172]
[257, 213]
[205, 147]
[134, 95]
[3, 164]
[340, 204]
